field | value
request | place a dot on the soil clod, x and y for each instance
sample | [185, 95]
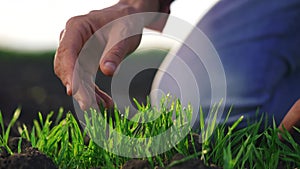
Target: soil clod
[28, 158]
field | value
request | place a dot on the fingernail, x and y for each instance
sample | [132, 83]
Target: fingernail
[68, 88]
[110, 66]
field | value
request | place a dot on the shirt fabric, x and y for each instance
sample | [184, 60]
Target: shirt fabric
[258, 44]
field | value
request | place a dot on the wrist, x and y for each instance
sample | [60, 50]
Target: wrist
[162, 6]
[143, 5]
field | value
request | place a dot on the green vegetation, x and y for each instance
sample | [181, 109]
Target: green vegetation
[228, 147]
[14, 54]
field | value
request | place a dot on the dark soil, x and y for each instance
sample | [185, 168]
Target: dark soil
[28, 81]
[189, 164]
[28, 158]
[194, 163]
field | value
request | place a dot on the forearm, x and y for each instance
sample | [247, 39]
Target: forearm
[143, 5]
[161, 6]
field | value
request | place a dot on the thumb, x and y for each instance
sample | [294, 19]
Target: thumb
[111, 59]
[113, 56]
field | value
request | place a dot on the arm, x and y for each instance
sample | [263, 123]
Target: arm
[78, 30]
[292, 118]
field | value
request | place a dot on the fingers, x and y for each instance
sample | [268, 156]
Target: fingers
[103, 98]
[292, 118]
[113, 55]
[76, 33]
[72, 39]
[64, 71]
[88, 95]
[124, 36]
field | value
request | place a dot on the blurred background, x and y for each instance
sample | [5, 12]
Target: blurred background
[29, 34]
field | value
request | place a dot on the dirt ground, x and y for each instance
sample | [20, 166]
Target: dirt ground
[28, 81]
[28, 158]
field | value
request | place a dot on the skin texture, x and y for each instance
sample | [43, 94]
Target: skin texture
[291, 119]
[77, 31]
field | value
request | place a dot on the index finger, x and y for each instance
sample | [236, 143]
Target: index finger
[72, 39]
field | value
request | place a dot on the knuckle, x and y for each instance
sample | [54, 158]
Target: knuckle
[60, 51]
[118, 51]
[76, 20]
[58, 60]
[82, 24]
[93, 12]
[56, 68]
[127, 10]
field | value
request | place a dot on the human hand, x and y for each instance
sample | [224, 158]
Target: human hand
[291, 119]
[77, 32]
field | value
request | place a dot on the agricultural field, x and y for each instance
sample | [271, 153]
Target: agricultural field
[67, 145]
[40, 130]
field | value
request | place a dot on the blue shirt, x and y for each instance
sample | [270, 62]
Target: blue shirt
[258, 42]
